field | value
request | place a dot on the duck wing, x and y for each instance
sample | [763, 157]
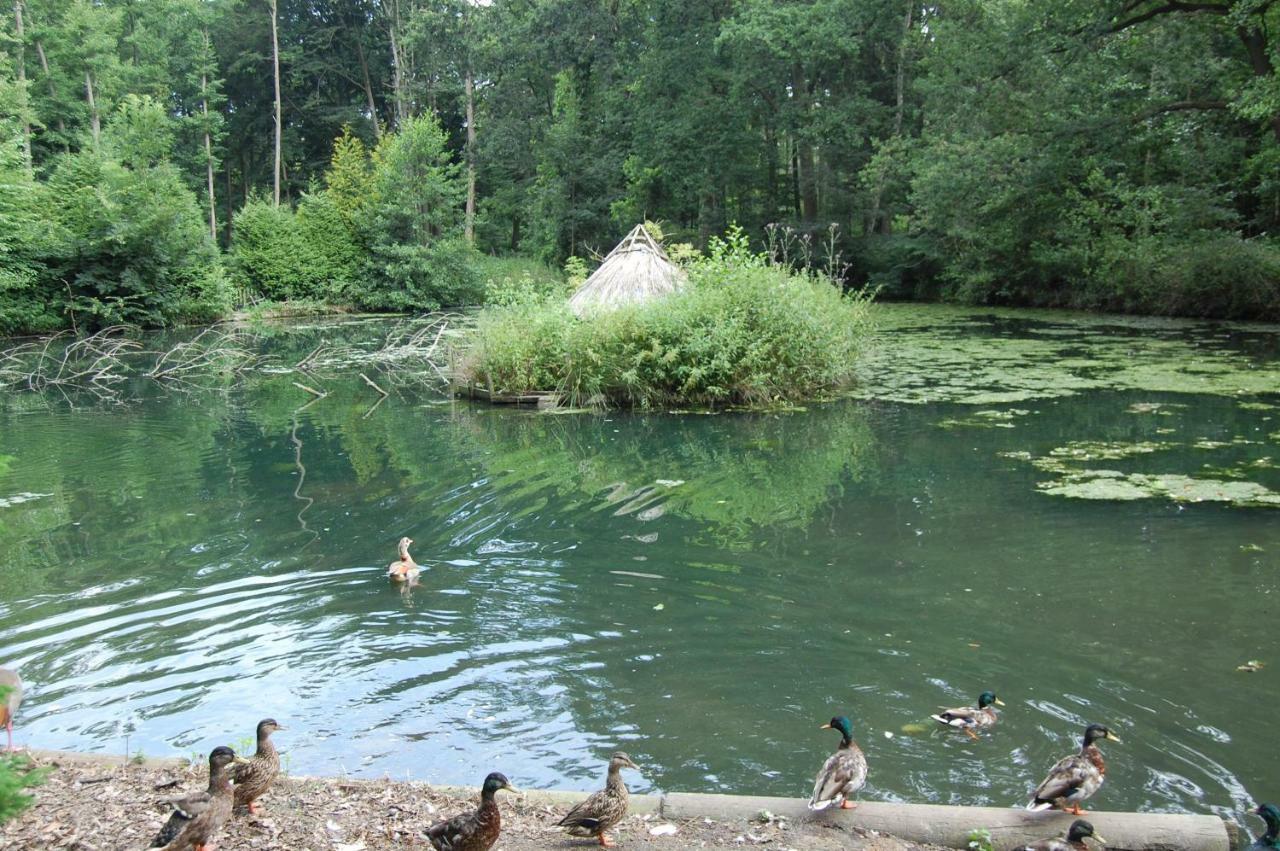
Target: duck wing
[961, 716]
[843, 773]
[1068, 775]
[457, 832]
[185, 811]
[587, 813]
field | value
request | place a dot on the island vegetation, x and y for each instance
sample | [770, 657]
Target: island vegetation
[173, 160]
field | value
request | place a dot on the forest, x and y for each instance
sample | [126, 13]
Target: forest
[168, 160]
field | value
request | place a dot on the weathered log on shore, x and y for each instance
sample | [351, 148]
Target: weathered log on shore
[951, 826]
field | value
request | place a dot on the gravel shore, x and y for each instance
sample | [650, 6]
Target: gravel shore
[89, 803]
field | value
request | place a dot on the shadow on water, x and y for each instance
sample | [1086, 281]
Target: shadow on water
[701, 590]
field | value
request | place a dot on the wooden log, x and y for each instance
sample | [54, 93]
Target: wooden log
[951, 826]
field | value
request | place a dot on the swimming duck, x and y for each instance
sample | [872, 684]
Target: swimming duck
[475, 831]
[1074, 778]
[10, 681]
[604, 809]
[404, 569]
[969, 719]
[1075, 841]
[1270, 813]
[255, 775]
[844, 772]
[198, 818]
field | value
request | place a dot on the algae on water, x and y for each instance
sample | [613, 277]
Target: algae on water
[940, 353]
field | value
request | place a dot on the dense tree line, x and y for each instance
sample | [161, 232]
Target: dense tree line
[1115, 154]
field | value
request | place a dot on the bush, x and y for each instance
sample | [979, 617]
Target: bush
[409, 276]
[128, 246]
[741, 332]
[308, 254]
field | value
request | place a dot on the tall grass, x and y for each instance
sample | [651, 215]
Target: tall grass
[741, 333]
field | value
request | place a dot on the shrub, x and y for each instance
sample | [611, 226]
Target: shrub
[308, 254]
[128, 246]
[742, 332]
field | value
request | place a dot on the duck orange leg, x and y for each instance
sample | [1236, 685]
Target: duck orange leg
[604, 840]
[846, 804]
[971, 734]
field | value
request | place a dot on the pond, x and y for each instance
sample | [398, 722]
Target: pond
[1079, 513]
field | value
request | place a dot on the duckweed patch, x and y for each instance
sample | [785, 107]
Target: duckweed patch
[941, 353]
[1112, 485]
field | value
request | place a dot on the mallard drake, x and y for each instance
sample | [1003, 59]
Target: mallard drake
[603, 809]
[1074, 778]
[844, 772]
[198, 818]
[968, 718]
[255, 775]
[404, 569]
[1075, 841]
[11, 684]
[474, 831]
[1270, 814]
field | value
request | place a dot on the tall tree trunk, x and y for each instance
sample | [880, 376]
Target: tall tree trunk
[397, 64]
[469, 227]
[805, 177]
[275, 70]
[53, 92]
[1255, 43]
[874, 224]
[208, 154]
[95, 121]
[368, 89]
[230, 227]
[22, 86]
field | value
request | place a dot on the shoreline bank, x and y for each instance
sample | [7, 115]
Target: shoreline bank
[91, 801]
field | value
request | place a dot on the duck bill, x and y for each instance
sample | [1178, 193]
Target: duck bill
[239, 760]
[999, 702]
[825, 727]
[1112, 737]
[1097, 837]
[511, 788]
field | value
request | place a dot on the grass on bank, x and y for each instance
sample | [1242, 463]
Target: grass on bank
[742, 332]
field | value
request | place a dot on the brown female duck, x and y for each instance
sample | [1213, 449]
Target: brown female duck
[255, 775]
[11, 685]
[404, 569]
[198, 818]
[474, 831]
[604, 809]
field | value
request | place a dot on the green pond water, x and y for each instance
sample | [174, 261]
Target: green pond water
[1077, 513]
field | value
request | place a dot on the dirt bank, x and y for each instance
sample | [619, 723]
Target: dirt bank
[90, 804]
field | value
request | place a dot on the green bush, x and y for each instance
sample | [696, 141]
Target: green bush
[307, 254]
[410, 276]
[741, 332]
[128, 246]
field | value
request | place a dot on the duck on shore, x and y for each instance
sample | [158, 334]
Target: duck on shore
[404, 569]
[603, 809]
[1074, 778]
[197, 819]
[11, 684]
[844, 772]
[255, 775]
[968, 718]
[477, 830]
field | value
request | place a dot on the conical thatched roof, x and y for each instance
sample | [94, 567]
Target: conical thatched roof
[636, 270]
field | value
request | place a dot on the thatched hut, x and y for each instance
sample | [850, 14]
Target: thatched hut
[636, 270]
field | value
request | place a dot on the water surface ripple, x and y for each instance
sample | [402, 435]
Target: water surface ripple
[701, 591]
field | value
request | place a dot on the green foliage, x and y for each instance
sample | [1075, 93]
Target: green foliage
[742, 332]
[510, 280]
[17, 773]
[130, 246]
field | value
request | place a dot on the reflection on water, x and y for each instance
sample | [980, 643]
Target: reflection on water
[698, 590]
